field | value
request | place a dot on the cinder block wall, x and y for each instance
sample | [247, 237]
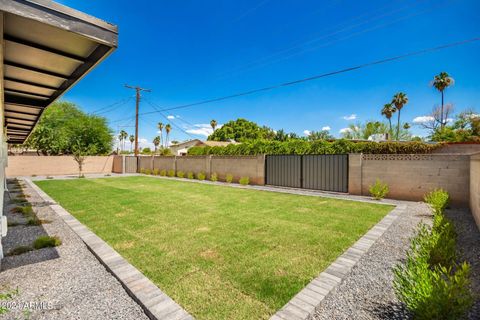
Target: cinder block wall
[475, 187]
[459, 148]
[246, 166]
[410, 177]
[195, 164]
[56, 165]
[164, 163]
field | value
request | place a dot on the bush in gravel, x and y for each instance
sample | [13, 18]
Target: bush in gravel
[34, 221]
[201, 176]
[27, 210]
[190, 175]
[19, 250]
[430, 282]
[438, 199]
[180, 174]
[229, 178]
[46, 242]
[171, 173]
[244, 181]
[214, 177]
[163, 172]
[378, 190]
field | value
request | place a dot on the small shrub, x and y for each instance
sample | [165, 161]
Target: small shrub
[163, 172]
[18, 209]
[171, 173]
[190, 175]
[142, 170]
[244, 181]
[229, 178]
[46, 242]
[180, 174]
[438, 199]
[148, 171]
[156, 172]
[214, 177]
[19, 250]
[201, 176]
[378, 190]
[438, 293]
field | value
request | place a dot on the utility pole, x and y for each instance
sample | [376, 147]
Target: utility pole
[137, 106]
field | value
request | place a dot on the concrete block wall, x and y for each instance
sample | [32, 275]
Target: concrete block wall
[195, 164]
[56, 165]
[164, 163]
[475, 187]
[410, 177]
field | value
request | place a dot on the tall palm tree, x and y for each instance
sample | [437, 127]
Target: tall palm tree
[132, 140]
[160, 129]
[399, 100]
[213, 123]
[168, 128]
[156, 142]
[121, 137]
[441, 82]
[388, 110]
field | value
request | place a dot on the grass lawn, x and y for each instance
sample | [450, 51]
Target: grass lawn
[220, 252]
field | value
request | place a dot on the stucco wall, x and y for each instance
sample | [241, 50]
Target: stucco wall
[246, 166]
[55, 165]
[410, 177]
[475, 187]
[164, 163]
[194, 164]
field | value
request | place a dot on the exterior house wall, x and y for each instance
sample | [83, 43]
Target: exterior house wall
[410, 177]
[56, 165]
[475, 187]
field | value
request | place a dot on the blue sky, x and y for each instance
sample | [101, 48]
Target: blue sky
[187, 51]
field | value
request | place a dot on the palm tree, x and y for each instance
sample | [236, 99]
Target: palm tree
[132, 140]
[156, 142]
[213, 123]
[388, 110]
[160, 129]
[168, 128]
[122, 136]
[441, 82]
[399, 100]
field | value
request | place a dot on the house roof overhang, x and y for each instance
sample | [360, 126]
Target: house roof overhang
[48, 47]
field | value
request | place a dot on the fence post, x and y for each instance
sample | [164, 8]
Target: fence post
[208, 166]
[355, 174]
[123, 164]
[175, 164]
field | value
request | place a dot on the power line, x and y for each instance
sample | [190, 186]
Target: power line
[110, 106]
[315, 77]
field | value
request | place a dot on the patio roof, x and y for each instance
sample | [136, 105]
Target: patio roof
[48, 47]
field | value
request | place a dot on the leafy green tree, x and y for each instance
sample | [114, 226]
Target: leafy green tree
[441, 82]
[388, 110]
[241, 130]
[320, 135]
[363, 131]
[57, 131]
[399, 100]
[465, 128]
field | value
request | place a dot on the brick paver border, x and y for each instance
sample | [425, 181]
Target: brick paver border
[302, 306]
[155, 303]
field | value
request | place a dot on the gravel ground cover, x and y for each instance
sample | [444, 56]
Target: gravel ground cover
[66, 282]
[367, 293]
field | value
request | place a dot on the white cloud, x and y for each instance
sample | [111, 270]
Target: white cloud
[423, 119]
[345, 130]
[353, 116]
[202, 129]
[170, 117]
[144, 143]
[307, 132]
[326, 128]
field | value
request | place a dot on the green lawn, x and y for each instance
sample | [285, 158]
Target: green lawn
[220, 252]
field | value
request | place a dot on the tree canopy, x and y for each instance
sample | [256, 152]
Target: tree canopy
[465, 128]
[65, 129]
[241, 130]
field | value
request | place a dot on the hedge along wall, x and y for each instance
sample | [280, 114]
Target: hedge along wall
[410, 177]
[340, 146]
[252, 167]
[475, 187]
